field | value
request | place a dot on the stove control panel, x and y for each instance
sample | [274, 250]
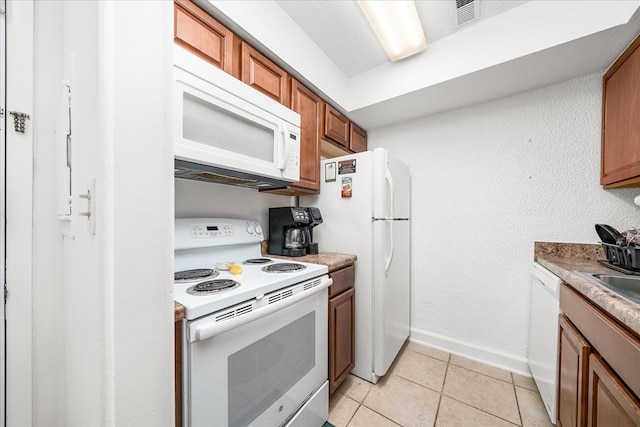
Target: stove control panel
[191, 233]
[199, 231]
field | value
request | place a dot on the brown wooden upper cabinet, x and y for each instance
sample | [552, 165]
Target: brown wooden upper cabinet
[620, 164]
[309, 106]
[336, 126]
[261, 73]
[340, 136]
[357, 139]
[196, 31]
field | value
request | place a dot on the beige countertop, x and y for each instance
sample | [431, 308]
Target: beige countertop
[178, 311]
[566, 259]
[334, 261]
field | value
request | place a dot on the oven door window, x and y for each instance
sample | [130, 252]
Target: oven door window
[259, 373]
[264, 371]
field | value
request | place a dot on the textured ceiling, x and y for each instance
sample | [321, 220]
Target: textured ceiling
[342, 31]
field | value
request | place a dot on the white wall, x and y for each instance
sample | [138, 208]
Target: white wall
[488, 181]
[90, 331]
[203, 199]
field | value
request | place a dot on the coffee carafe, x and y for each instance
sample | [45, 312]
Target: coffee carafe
[290, 231]
[296, 237]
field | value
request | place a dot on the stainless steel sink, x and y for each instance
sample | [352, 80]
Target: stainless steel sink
[627, 287]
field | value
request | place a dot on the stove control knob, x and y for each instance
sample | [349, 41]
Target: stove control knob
[250, 228]
[258, 229]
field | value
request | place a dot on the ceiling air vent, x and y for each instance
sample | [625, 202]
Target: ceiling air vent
[467, 10]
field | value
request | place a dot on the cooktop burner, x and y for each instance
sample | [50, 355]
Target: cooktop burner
[257, 261]
[283, 268]
[213, 287]
[195, 275]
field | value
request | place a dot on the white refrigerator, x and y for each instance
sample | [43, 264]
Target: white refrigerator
[365, 204]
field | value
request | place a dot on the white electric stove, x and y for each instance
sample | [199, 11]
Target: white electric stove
[255, 329]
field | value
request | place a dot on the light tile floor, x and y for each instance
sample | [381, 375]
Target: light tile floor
[429, 387]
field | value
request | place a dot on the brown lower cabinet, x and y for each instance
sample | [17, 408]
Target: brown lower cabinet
[610, 401]
[572, 375]
[341, 326]
[599, 360]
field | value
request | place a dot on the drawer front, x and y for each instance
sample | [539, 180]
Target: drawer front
[343, 279]
[617, 346]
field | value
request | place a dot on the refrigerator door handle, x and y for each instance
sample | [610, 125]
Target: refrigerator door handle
[389, 255]
[389, 179]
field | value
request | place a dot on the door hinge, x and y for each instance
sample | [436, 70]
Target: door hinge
[19, 120]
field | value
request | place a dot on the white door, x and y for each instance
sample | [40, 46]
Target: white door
[3, 74]
[19, 213]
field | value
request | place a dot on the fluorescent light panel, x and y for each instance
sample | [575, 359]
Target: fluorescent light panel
[397, 26]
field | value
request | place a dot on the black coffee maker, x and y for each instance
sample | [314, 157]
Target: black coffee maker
[291, 230]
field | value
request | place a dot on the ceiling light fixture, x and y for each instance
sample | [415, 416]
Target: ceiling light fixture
[397, 26]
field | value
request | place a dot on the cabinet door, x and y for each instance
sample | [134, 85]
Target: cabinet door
[572, 375]
[309, 106]
[261, 73]
[357, 139]
[196, 31]
[336, 126]
[341, 338]
[620, 164]
[610, 401]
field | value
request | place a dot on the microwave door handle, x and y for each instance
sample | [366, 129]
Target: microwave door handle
[284, 147]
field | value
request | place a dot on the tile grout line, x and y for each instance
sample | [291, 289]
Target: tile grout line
[449, 363]
[444, 380]
[515, 392]
[480, 409]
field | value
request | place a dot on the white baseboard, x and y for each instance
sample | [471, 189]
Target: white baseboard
[486, 355]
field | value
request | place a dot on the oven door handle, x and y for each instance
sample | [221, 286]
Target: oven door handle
[207, 330]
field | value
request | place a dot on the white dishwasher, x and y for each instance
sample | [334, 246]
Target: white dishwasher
[543, 334]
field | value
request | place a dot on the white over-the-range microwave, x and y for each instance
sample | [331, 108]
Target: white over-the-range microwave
[229, 133]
